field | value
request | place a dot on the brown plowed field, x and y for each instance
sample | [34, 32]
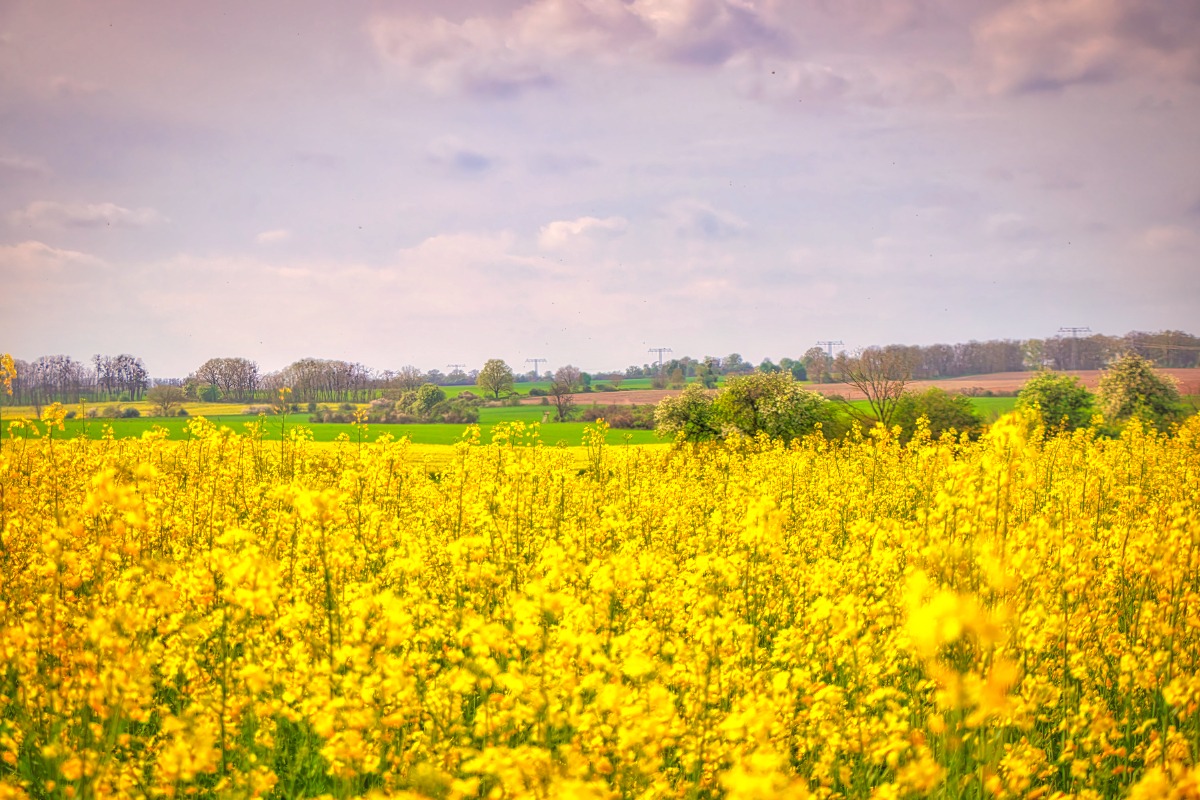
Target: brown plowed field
[997, 383]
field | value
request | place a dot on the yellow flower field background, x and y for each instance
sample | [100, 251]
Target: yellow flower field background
[1016, 617]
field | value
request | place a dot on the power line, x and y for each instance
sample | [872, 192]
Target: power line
[535, 362]
[455, 367]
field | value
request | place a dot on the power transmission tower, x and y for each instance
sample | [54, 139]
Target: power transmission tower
[535, 362]
[660, 351]
[829, 344]
[1074, 343]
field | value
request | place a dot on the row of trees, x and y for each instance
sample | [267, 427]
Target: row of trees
[686, 368]
[124, 377]
[1170, 348]
[60, 378]
[312, 380]
[774, 404]
[758, 402]
[1129, 389]
[1174, 349]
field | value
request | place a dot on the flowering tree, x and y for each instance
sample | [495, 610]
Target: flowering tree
[1131, 388]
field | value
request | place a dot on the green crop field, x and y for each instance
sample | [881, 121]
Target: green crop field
[552, 433]
[992, 407]
[228, 415]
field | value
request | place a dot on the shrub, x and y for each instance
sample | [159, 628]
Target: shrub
[1062, 400]
[944, 411]
[632, 417]
[691, 413]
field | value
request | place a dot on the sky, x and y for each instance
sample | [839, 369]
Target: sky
[447, 181]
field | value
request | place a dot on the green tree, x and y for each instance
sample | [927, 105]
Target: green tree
[945, 412]
[771, 403]
[495, 377]
[795, 367]
[426, 398]
[1061, 399]
[733, 363]
[690, 412]
[165, 398]
[1131, 388]
[706, 376]
[816, 364]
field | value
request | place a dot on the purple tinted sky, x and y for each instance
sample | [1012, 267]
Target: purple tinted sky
[580, 180]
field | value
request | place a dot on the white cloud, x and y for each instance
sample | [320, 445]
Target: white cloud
[527, 48]
[273, 236]
[37, 258]
[562, 233]
[1032, 45]
[45, 213]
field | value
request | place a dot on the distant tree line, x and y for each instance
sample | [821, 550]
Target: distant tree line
[313, 380]
[1175, 349]
[59, 378]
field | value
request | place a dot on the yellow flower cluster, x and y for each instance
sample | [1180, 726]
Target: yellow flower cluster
[1016, 617]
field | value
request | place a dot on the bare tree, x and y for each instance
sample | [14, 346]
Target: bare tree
[567, 380]
[880, 373]
[165, 398]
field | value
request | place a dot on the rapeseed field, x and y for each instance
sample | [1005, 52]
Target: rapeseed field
[1017, 617]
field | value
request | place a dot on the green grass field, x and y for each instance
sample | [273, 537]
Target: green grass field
[230, 415]
[552, 433]
[992, 407]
